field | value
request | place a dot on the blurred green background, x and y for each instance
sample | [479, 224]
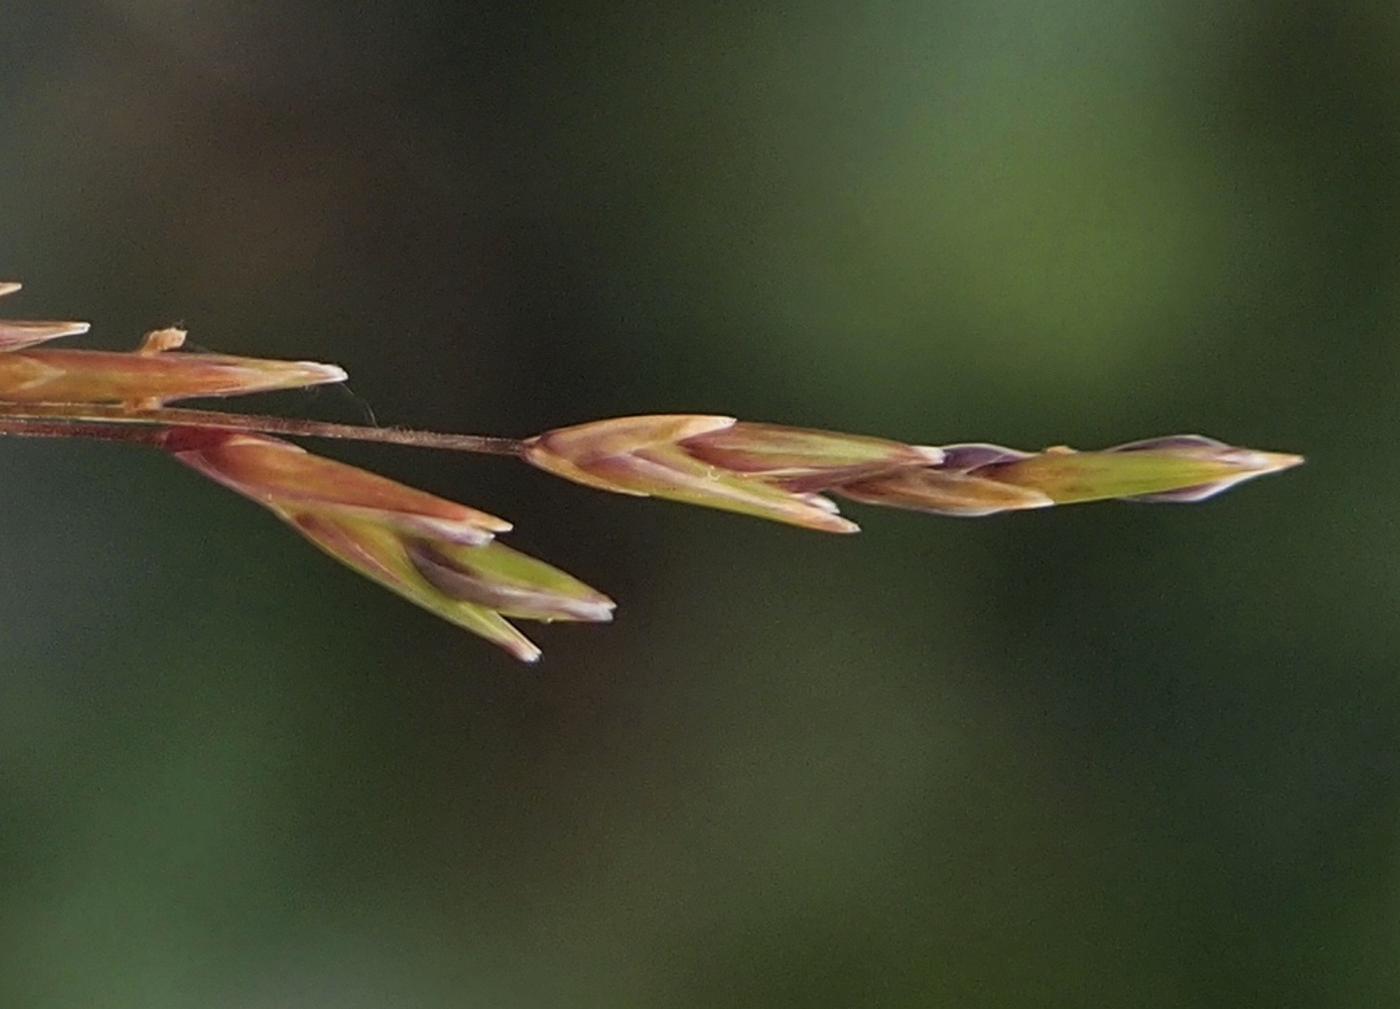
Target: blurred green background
[1097, 756]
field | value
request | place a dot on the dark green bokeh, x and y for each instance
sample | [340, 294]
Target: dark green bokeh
[1098, 756]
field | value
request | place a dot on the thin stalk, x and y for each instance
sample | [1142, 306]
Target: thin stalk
[63, 429]
[95, 417]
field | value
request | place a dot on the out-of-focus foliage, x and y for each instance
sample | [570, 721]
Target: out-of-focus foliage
[1099, 756]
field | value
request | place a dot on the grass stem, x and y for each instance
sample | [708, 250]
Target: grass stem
[106, 422]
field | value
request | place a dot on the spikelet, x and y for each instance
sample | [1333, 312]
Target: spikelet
[435, 553]
[982, 479]
[145, 378]
[763, 470]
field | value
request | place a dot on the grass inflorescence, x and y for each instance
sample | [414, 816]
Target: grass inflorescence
[446, 557]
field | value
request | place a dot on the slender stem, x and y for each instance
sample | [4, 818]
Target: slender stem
[64, 429]
[95, 417]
